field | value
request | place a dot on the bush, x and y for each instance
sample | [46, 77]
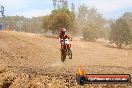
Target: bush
[91, 32]
[59, 18]
[120, 33]
[6, 83]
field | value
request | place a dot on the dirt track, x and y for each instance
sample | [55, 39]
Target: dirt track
[31, 60]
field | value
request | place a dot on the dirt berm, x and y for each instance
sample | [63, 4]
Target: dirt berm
[33, 61]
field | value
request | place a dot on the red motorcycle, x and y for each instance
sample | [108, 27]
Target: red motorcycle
[65, 49]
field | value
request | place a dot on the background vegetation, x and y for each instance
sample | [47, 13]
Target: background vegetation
[81, 21]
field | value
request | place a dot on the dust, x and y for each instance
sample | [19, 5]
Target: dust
[41, 64]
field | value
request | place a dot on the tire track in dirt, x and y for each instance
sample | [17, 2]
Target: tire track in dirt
[36, 60]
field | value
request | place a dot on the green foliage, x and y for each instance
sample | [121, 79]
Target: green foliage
[46, 22]
[6, 83]
[21, 23]
[91, 32]
[120, 33]
[128, 18]
[59, 18]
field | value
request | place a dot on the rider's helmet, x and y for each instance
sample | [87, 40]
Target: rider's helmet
[63, 31]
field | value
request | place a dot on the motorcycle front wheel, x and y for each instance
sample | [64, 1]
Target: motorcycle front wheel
[70, 54]
[63, 55]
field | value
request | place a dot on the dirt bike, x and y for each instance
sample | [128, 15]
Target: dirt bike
[65, 49]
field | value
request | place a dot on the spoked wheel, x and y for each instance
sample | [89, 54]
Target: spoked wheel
[63, 55]
[70, 54]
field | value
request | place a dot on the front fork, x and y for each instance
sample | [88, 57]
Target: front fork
[66, 47]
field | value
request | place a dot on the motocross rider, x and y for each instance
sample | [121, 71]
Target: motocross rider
[63, 36]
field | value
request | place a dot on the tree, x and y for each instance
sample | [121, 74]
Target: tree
[59, 18]
[54, 3]
[60, 3]
[120, 33]
[73, 7]
[21, 23]
[91, 32]
[46, 23]
[128, 18]
[89, 15]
